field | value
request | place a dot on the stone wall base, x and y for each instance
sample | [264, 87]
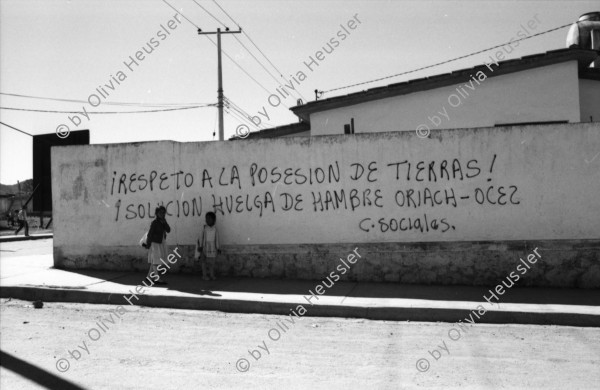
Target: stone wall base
[563, 263]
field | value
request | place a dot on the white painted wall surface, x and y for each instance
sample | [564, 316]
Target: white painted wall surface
[551, 174]
[549, 93]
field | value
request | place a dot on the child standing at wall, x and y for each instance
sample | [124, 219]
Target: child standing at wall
[157, 243]
[208, 246]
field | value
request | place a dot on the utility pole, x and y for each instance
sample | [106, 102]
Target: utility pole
[220, 74]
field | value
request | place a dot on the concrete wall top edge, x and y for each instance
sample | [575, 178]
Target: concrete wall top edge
[409, 134]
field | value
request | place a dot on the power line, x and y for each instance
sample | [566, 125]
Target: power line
[213, 16]
[264, 67]
[445, 62]
[259, 63]
[108, 103]
[241, 112]
[14, 128]
[224, 52]
[179, 12]
[225, 12]
[250, 39]
[105, 112]
[241, 121]
[248, 120]
[239, 117]
[243, 70]
[245, 113]
[264, 55]
[256, 46]
[239, 41]
[231, 105]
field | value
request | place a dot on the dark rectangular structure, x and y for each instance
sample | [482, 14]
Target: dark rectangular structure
[42, 198]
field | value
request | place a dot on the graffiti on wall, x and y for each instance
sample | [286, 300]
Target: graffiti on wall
[398, 195]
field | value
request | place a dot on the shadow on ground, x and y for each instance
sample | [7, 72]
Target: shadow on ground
[193, 284]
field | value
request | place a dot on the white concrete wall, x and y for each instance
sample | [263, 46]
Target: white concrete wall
[589, 95]
[549, 175]
[548, 93]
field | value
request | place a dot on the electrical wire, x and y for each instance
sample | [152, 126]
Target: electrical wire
[445, 62]
[243, 70]
[246, 118]
[14, 128]
[238, 108]
[213, 16]
[261, 64]
[242, 44]
[107, 103]
[231, 114]
[257, 48]
[106, 112]
[245, 113]
[239, 41]
[225, 12]
[224, 52]
[239, 118]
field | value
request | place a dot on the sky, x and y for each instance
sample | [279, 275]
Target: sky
[65, 49]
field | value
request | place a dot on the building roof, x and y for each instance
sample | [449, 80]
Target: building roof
[582, 56]
[279, 131]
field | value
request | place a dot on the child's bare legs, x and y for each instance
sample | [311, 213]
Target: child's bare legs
[212, 269]
[208, 268]
[154, 268]
[204, 274]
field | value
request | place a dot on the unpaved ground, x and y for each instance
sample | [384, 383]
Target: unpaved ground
[149, 348]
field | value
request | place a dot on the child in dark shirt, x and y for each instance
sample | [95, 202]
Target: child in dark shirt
[208, 246]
